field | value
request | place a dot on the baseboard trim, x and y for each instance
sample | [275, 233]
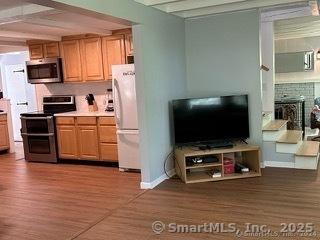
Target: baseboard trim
[279, 164]
[156, 182]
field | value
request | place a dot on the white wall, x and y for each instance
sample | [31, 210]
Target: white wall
[223, 59]
[298, 45]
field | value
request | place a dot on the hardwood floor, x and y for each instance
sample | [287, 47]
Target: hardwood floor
[44, 201]
[58, 201]
[279, 196]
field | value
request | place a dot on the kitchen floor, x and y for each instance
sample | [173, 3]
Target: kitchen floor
[48, 201]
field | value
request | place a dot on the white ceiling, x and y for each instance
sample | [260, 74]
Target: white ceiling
[196, 8]
[21, 21]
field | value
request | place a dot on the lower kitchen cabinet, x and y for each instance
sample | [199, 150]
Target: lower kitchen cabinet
[4, 135]
[67, 141]
[88, 142]
[83, 139]
[109, 152]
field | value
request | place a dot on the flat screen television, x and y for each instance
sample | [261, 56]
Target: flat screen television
[206, 120]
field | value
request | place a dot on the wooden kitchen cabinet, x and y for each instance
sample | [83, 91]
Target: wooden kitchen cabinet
[91, 59]
[87, 57]
[51, 50]
[108, 139]
[67, 141]
[87, 138]
[129, 44]
[108, 134]
[113, 49]
[71, 58]
[36, 51]
[109, 152]
[88, 142]
[4, 135]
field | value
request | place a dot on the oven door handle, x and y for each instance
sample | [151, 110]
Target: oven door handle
[36, 118]
[38, 134]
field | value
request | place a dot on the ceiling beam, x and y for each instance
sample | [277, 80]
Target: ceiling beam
[191, 4]
[67, 26]
[289, 13]
[29, 10]
[18, 14]
[13, 43]
[20, 35]
[281, 36]
[158, 2]
[234, 7]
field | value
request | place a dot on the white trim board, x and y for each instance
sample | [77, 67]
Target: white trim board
[156, 182]
[279, 164]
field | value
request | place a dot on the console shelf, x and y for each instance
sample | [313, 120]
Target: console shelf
[250, 156]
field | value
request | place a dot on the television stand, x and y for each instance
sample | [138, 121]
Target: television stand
[213, 166]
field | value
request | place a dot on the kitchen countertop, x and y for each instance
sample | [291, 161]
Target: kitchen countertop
[85, 114]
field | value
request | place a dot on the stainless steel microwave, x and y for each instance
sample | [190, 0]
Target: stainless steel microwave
[47, 70]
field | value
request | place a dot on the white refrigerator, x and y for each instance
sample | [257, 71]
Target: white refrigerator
[125, 105]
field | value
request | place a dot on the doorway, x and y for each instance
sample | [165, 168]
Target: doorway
[20, 93]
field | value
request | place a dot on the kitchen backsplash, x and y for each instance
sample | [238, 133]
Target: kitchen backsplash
[80, 90]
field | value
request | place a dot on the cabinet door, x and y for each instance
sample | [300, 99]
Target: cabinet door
[4, 136]
[88, 142]
[51, 50]
[70, 53]
[67, 142]
[108, 134]
[36, 51]
[91, 58]
[109, 152]
[129, 45]
[113, 53]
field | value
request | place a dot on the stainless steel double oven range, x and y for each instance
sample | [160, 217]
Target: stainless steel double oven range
[38, 129]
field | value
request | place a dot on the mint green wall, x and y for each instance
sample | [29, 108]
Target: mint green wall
[222, 55]
[159, 42]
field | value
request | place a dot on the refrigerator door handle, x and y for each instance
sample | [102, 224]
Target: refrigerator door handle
[116, 110]
[127, 132]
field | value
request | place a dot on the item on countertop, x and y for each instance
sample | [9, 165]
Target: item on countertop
[89, 100]
[1, 94]
[92, 105]
[108, 102]
[110, 107]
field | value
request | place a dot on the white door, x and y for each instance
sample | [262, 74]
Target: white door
[21, 94]
[124, 91]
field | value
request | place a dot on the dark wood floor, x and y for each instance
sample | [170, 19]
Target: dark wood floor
[44, 201]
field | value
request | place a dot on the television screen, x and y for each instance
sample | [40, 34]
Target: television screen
[210, 119]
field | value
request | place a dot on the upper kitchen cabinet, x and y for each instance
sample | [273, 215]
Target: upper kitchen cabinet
[91, 59]
[113, 49]
[51, 50]
[71, 58]
[36, 51]
[43, 49]
[129, 44]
